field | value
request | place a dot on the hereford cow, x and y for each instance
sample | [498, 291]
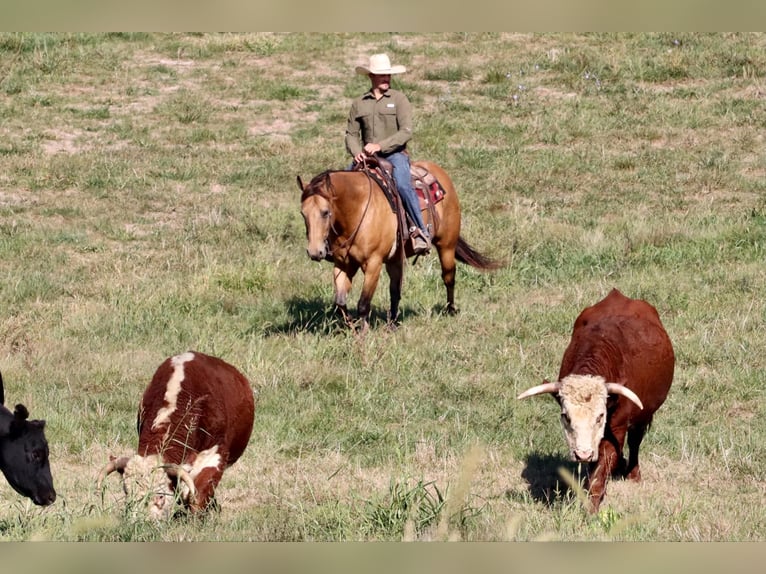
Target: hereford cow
[616, 372]
[24, 453]
[194, 420]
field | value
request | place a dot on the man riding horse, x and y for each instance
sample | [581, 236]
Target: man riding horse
[380, 123]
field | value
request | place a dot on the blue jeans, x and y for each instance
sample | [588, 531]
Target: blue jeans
[401, 163]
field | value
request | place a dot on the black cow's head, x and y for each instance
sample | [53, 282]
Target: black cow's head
[24, 455]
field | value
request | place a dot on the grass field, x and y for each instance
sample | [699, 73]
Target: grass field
[148, 205]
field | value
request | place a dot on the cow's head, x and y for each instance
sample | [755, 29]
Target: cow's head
[583, 410]
[149, 482]
[24, 455]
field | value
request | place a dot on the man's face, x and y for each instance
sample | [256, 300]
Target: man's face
[380, 82]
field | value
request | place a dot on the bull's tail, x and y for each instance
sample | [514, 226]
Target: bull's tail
[468, 255]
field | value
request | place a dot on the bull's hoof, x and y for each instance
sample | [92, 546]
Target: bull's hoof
[634, 475]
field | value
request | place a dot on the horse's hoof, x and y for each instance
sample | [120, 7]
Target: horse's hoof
[452, 310]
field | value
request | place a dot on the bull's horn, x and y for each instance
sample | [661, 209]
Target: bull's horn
[117, 464]
[546, 387]
[618, 389]
[177, 471]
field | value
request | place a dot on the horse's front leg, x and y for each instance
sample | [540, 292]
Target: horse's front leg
[342, 282]
[371, 276]
[395, 271]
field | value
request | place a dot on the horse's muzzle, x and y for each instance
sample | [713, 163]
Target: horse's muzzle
[320, 254]
[316, 255]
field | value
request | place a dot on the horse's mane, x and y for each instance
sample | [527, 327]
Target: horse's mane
[320, 185]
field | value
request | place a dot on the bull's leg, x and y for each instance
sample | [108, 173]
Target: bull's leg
[635, 436]
[205, 482]
[609, 455]
[395, 272]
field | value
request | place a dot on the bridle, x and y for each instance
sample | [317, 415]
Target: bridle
[322, 186]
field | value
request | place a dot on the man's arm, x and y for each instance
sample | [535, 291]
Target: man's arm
[353, 132]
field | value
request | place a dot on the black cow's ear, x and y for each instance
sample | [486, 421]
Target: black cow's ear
[21, 413]
[300, 182]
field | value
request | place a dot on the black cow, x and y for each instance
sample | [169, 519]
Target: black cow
[24, 453]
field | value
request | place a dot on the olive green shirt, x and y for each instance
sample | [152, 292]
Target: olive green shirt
[386, 122]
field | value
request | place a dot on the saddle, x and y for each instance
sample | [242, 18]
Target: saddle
[427, 188]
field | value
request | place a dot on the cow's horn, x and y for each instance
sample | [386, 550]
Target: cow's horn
[178, 472]
[546, 387]
[117, 464]
[618, 389]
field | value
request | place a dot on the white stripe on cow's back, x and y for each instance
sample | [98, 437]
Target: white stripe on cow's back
[172, 389]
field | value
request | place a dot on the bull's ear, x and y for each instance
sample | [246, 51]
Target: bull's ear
[300, 183]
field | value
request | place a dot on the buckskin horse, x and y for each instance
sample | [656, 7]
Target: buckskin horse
[350, 221]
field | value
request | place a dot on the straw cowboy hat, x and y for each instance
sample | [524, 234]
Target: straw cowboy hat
[380, 65]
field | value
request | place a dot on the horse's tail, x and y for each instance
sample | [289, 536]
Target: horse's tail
[468, 255]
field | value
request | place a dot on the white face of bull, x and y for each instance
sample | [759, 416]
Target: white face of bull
[583, 410]
[146, 482]
[583, 415]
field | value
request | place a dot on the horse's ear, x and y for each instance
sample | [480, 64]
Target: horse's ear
[300, 183]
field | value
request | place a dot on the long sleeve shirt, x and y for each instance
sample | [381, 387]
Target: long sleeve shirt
[386, 122]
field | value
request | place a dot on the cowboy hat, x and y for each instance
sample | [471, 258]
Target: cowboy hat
[380, 65]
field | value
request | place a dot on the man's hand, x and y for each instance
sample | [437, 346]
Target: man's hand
[369, 150]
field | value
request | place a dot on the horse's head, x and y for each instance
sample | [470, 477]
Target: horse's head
[316, 208]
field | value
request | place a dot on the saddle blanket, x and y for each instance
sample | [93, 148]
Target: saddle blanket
[427, 187]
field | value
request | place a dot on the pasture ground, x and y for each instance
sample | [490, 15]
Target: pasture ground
[148, 205]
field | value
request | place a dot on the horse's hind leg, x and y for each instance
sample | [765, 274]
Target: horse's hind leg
[447, 259]
[395, 272]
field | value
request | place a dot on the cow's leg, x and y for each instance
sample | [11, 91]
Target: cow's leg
[205, 482]
[609, 455]
[395, 272]
[635, 436]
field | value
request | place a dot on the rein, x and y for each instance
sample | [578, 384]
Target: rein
[316, 188]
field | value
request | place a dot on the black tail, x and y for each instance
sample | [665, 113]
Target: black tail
[2, 391]
[468, 255]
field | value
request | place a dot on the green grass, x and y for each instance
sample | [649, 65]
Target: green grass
[148, 205]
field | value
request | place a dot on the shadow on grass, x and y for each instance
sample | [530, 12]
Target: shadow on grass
[545, 484]
[318, 315]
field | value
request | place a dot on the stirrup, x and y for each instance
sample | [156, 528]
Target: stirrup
[421, 243]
